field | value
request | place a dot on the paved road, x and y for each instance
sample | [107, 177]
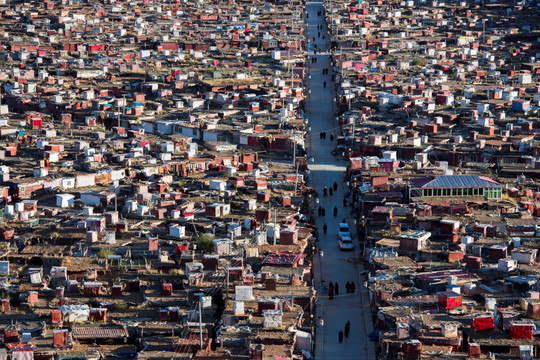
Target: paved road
[335, 265]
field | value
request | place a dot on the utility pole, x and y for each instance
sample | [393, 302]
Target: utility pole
[294, 151]
[296, 180]
[200, 321]
[274, 230]
[227, 283]
[484, 30]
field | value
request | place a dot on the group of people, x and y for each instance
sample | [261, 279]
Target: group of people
[330, 190]
[322, 136]
[325, 71]
[321, 211]
[333, 289]
[314, 59]
[327, 191]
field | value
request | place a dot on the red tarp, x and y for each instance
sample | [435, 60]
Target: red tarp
[483, 323]
[521, 331]
[180, 249]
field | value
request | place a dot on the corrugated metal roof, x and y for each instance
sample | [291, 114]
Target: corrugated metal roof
[455, 181]
[99, 332]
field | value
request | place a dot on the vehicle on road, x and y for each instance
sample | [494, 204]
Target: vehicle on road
[345, 243]
[344, 230]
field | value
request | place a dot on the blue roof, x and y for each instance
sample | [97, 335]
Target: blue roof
[455, 181]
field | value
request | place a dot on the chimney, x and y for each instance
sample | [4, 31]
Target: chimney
[474, 350]
[412, 349]
[257, 352]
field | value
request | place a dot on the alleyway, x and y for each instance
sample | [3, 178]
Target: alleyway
[335, 265]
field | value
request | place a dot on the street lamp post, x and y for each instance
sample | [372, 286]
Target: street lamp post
[484, 30]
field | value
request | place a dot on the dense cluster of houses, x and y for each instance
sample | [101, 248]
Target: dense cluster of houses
[151, 209]
[438, 104]
[155, 185]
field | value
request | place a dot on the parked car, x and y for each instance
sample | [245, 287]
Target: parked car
[344, 230]
[345, 243]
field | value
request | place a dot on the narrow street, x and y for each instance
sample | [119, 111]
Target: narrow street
[334, 265]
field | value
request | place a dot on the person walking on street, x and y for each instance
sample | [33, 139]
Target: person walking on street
[330, 291]
[323, 212]
[335, 211]
[325, 228]
[336, 289]
[324, 85]
[347, 328]
[331, 135]
[320, 211]
[331, 191]
[352, 287]
[344, 202]
[335, 186]
[340, 335]
[348, 287]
